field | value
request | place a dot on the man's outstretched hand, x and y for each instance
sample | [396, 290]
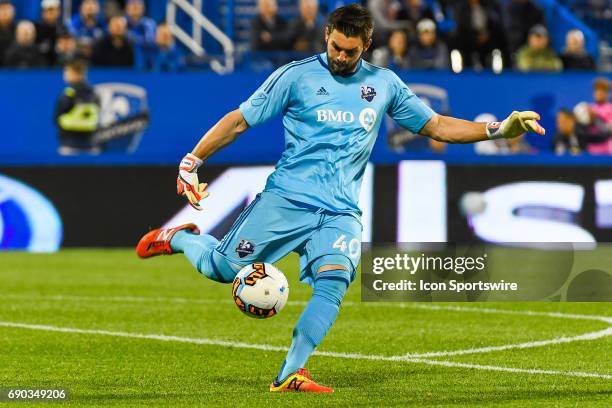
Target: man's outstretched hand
[187, 183]
[517, 124]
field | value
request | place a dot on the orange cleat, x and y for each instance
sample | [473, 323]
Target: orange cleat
[299, 381]
[157, 241]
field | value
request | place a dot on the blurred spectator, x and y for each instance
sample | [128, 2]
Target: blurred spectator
[395, 54]
[537, 55]
[112, 8]
[306, 31]
[521, 15]
[519, 145]
[76, 112]
[168, 57]
[428, 53]
[141, 29]
[7, 27]
[24, 52]
[269, 30]
[592, 131]
[602, 107]
[385, 13]
[88, 25]
[479, 31]
[85, 46]
[115, 48]
[566, 139]
[574, 56]
[48, 28]
[165, 57]
[66, 49]
[413, 11]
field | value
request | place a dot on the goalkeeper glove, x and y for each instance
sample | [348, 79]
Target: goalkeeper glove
[515, 125]
[187, 183]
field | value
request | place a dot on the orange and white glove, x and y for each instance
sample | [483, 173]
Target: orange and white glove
[515, 125]
[187, 183]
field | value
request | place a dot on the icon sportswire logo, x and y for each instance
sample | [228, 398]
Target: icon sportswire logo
[367, 117]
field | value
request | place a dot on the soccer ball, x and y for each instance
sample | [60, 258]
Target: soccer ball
[260, 290]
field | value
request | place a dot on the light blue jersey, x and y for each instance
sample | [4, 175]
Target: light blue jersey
[331, 123]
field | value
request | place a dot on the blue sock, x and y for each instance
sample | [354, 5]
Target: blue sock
[199, 249]
[315, 322]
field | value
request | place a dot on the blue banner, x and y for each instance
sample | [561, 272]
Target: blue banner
[181, 107]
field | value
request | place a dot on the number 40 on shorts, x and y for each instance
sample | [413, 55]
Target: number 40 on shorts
[353, 246]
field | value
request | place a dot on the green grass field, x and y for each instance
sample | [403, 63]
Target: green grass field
[156, 333]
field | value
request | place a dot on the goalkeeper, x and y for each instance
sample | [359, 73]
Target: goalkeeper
[332, 105]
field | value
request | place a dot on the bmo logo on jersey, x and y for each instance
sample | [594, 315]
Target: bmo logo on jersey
[367, 117]
[328, 115]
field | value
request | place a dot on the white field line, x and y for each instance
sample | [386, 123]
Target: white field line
[540, 343]
[161, 337]
[265, 347]
[131, 299]
[511, 369]
[605, 319]
[138, 299]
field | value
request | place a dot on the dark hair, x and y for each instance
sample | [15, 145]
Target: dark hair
[602, 83]
[566, 112]
[63, 32]
[77, 65]
[353, 20]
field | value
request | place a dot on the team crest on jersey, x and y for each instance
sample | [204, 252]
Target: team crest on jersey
[368, 93]
[245, 248]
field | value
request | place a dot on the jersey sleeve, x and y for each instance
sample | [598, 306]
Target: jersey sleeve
[270, 99]
[406, 108]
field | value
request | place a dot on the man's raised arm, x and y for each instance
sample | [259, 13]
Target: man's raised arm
[224, 132]
[453, 130]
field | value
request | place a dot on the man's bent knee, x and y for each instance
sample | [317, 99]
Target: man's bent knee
[218, 268]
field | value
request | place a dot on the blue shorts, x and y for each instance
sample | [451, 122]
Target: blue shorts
[272, 227]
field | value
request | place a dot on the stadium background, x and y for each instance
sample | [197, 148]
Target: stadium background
[182, 105]
[83, 313]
